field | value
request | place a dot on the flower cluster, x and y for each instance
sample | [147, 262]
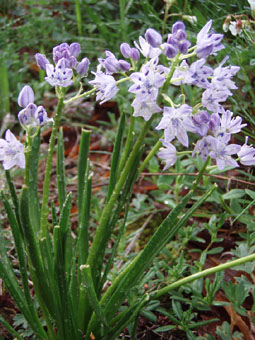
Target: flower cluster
[31, 115]
[65, 60]
[208, 120]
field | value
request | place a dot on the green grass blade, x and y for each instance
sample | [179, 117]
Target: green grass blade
[78, 17]
[61, 181]
[82, 166]
[87, 281]
[34, 205]
[14, 197]
[4, 89]
[116, 156]
[34, 321]
[125, 318]
[10, 329]
[65, 215]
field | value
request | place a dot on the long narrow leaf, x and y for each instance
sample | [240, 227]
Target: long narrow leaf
[34, 205]
[82, 166]
[116, 156]
[10, 329]
[34, 321]
[92, 296]
[61, 181]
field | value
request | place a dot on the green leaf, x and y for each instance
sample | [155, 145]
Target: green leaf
[61, 181]
[234, 193]
[165, 328]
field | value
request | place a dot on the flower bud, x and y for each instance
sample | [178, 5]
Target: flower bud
[41, 61]
[153, 37]
[26, 96]
[184, 46]
[135, 54]
[179, 25]
[41, 117]
[170, 51]
[75, 49]
[125, 49]
[83, 67]
[26, 116]
[180, 35]
[124, 65]
[171, 39]
[72, 62]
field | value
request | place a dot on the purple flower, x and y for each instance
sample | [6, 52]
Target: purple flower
[221, 79]
[153, 37]
[247, 154]
[146, 49]
[198, 74]
[222, 152]
[26, 96]
[168, 154]
[135, 54]
[181, 74]
[203, 147]
[41, 61]
[170, 50]
[175, 123]
[125, 49]
[148, 81]
[105, 84]
[178, 25]
[31, 115]
[229, 125]
[208, 43]
[145, 109]
[199, 123]
[212, 98]
[83, 66]
[110, 63]
[11, 152]
[59, 75]
[70, 53]
[124, 65]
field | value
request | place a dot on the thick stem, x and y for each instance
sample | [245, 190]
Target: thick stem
[46, 183]
[201, 274]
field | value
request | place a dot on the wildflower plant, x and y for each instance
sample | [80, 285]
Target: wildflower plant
[69, 275]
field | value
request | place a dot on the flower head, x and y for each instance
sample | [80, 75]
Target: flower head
[145, 109]
[168, 154]
[11, 152]
[175, 123]
[208, 43]
[105, 84]
[59, 75]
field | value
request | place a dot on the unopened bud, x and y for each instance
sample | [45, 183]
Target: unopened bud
[153, 37]
[125, 49]
[41, 61]
[124, 65]
[179, 25]
[135, 54]
[83, 67]
[170, 51]
[75, 49]
[26, 96]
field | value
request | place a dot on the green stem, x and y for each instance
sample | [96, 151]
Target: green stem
[196, 276]
[46, 183]
[27, 155]
[149, 156]
[92, 91]
[127, 144]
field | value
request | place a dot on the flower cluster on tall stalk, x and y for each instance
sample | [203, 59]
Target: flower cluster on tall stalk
[69, 275]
